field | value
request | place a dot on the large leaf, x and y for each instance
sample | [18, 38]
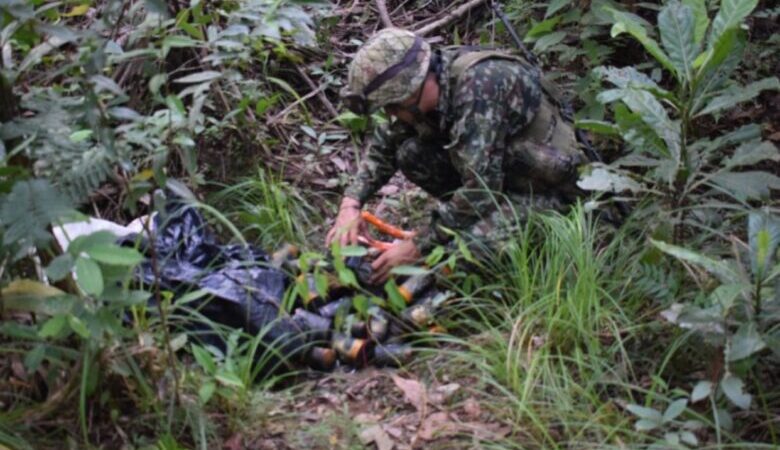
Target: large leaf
[752, 153]
[733, 387]
[699, 8]
[627, 23]
[29, 209]
[652, 113]
[89, 276]
[764, 238]
[730, 16]
[744, 343]
[716, 66]
[752, 185]
[737, 95]
[625, 77]
[601, 179]
[676, 23]
[719, 268]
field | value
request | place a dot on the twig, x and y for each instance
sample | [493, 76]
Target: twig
[320, 94]
[446, 20]
[273, 120]
[383, 14]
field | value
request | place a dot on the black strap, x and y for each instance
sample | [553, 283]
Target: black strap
[395, 69]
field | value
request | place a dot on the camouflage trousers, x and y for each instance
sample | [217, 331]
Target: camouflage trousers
[429, 167]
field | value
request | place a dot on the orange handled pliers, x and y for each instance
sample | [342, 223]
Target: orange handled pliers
[383, 228]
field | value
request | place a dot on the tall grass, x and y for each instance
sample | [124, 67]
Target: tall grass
[553, 331]
[271, 210]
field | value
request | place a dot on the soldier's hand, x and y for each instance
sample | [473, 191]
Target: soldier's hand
[349, 224]
[401, 252]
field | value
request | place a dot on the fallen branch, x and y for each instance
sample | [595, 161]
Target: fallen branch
[449, 18]
[383, 14]
[320, 94]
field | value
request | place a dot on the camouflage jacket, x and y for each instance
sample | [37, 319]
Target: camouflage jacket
[476, 113]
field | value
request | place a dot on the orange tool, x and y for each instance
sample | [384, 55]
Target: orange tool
[384, 228]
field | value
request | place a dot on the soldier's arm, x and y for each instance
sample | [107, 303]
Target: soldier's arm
[379, 163]
[482, 101]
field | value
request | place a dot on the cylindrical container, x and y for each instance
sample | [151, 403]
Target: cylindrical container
[331, 309]
[285, 254]
[313, 326]
[314, 299]
[392, 355]
[420, 315]
[357, 328]
[353, 351]
[322, 358]
[414, 286]
[378, 325]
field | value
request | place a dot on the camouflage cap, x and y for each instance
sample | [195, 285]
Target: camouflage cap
[383, 50]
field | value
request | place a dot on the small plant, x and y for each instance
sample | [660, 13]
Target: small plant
[683, 170]
[739, 316]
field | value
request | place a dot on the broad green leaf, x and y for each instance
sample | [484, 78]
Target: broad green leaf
[730, 15]
[554, 6]
[603, 180]
[177, 42]
[751, 153]
[726, 295]
[716, 65]
[542, 28]
[626, 23]
[229, 379]
[720, 269]
[53, 327]
[702, 20]
[80, 136]
[549, 40]
[103, 83]
[733, 388]
[676, 23]
[204, 359]
[744, 343]
[29, 288]
[599, 127]
[689, 438]
[353, 250]
[702, 390]
[78, 327]
[737, 95]
[763, 238]
[724, 419]
[409, 270]
[207, 391]
[744, 134]
[675, 409]
[200, 77]
[646, 425]
[752, 185]
[89, 276]
[629, 77]
[115, 255]
[60, 267]
[651, 112]
[29, 209]
[644, 412]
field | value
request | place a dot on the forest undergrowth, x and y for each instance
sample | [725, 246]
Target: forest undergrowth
[660, 333]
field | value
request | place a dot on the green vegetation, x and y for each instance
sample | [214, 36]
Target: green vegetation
[663, 333]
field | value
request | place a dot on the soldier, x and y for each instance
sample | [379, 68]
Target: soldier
[478, 129]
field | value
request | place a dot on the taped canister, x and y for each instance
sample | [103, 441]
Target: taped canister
[378, 325]
[331, 309]
[357, 328]
[420, 315]
[313, 326]
[392, 355]
[322, 358]
[351, 350]
[414, 286]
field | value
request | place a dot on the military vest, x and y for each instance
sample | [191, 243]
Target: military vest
[548, 148]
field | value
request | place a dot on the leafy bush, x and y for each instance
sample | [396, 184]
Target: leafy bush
[686, 172]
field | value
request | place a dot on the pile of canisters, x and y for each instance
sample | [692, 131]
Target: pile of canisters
[336, 334]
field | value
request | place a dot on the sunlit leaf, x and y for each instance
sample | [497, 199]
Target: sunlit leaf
[89, 276]
[733, 388]
[735, 96]
[676, 24]
[744, 343]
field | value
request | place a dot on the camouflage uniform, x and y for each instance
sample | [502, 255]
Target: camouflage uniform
[475, 145]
